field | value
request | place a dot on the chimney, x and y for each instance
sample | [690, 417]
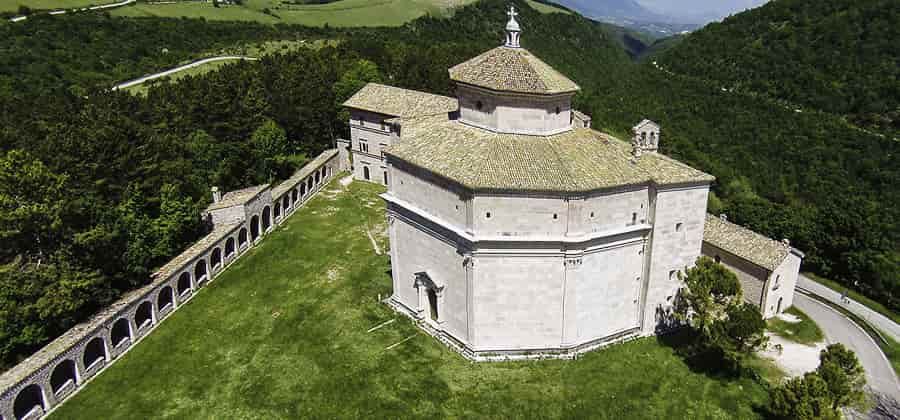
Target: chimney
[216, 195]
[723, 217]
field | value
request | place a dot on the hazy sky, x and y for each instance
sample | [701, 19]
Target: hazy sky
[719, 8]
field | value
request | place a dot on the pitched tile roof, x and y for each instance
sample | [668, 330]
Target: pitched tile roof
[399, 102]
[744, 243]
[512, 70]
[238, 197]
[579, 160]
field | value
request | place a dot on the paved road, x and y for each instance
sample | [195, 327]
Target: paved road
[79, 9]
[839, 329]
[180, 68]
[883, 323]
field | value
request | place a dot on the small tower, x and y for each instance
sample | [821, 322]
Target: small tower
[513, 31]
[646, 134]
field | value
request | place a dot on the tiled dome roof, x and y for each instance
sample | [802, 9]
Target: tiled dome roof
[512, 70]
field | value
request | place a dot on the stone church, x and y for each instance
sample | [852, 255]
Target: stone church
[516, 230]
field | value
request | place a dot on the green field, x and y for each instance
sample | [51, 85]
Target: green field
[13, 5]
[282, 334]
[804, 332]
[343, 13]
[546, 8]
[142, 88]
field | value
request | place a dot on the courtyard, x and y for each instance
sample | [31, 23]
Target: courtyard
[295, 329]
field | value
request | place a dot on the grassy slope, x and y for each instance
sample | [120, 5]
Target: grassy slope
[804, 332]
[282, 334]
[142, 88]
[13, 5]
[852, 294]
[546, 8]
[343, 13]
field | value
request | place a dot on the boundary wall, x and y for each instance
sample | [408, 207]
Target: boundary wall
[41, 382]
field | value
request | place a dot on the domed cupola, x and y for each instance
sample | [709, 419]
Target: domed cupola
[509, 90]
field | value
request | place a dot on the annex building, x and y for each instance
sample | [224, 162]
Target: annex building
[516, 230]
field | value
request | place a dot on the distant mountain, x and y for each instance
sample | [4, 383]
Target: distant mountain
[630, 14]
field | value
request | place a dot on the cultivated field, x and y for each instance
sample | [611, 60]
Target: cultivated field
[342, 13]
[283, 334]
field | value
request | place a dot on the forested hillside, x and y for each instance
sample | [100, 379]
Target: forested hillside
[837, 56]
[98, 188]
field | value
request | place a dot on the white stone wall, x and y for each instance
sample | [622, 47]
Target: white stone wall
[370, 129]
[511, 113]
[789, 270]
[616, 209]
[432, 195]
[672, 250]
[414, 250]
[519, 215]
[518, 302]
[608, 290]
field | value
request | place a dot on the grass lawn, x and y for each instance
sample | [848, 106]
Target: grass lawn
[141, 89]
[852, 294]
[804, 332]
[342, 13]
[282, 334]
[13, 5]
[546, 8]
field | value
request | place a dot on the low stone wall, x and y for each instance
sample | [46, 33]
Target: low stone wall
[38, 384]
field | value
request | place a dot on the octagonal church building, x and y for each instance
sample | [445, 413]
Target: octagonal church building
[515, 229]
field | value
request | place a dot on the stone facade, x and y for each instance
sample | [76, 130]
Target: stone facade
[38, 384]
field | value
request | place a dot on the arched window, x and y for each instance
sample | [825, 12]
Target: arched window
[266, 219]
[254, 228]
[143, 316]
[200, 274]
[62, 376]
[165, 298]
[29, 401]
[242, 237]
[184, 283]
[216, 258]
[120, 332]
[229, 247]
[94, 352]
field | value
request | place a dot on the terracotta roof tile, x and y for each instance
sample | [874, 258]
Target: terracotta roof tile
[512, 70]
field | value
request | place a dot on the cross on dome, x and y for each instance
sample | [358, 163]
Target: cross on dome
[513, 31]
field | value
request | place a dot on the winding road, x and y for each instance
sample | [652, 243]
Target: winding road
[180, 68]
[839, 329]
[877, 320]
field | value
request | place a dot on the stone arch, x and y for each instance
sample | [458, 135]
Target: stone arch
[94, 352]
[295, 195]
[276, 210]
[229, 247]
[254, 228]
[309, 184]
[121, 331]
[184, 283]
[62, 375]
[165, 298]
[144, 314]
[286, 201]
[318, 175]
[266, 218]
[28, 400]
[215, 259]
[303, 189]
[201, 274]
[242, 237]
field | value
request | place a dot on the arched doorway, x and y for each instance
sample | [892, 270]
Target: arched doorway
[184, 283]
[318, 177]
[29, 400]
[94, 353]
[216, 258]
[121, 331]
[63, 375]
[266, 219]
[276, 211]
[165, 298]
[295, 195]
[302, 189]
[229, 247]
[254, 228]
[309, 184]
[286, 201]
[242, 237]
[143, 316]
[200, 273]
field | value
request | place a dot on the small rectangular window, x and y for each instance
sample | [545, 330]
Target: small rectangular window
[678, 227]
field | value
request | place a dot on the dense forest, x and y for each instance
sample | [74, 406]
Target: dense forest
[101, 187]
[836, 56]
